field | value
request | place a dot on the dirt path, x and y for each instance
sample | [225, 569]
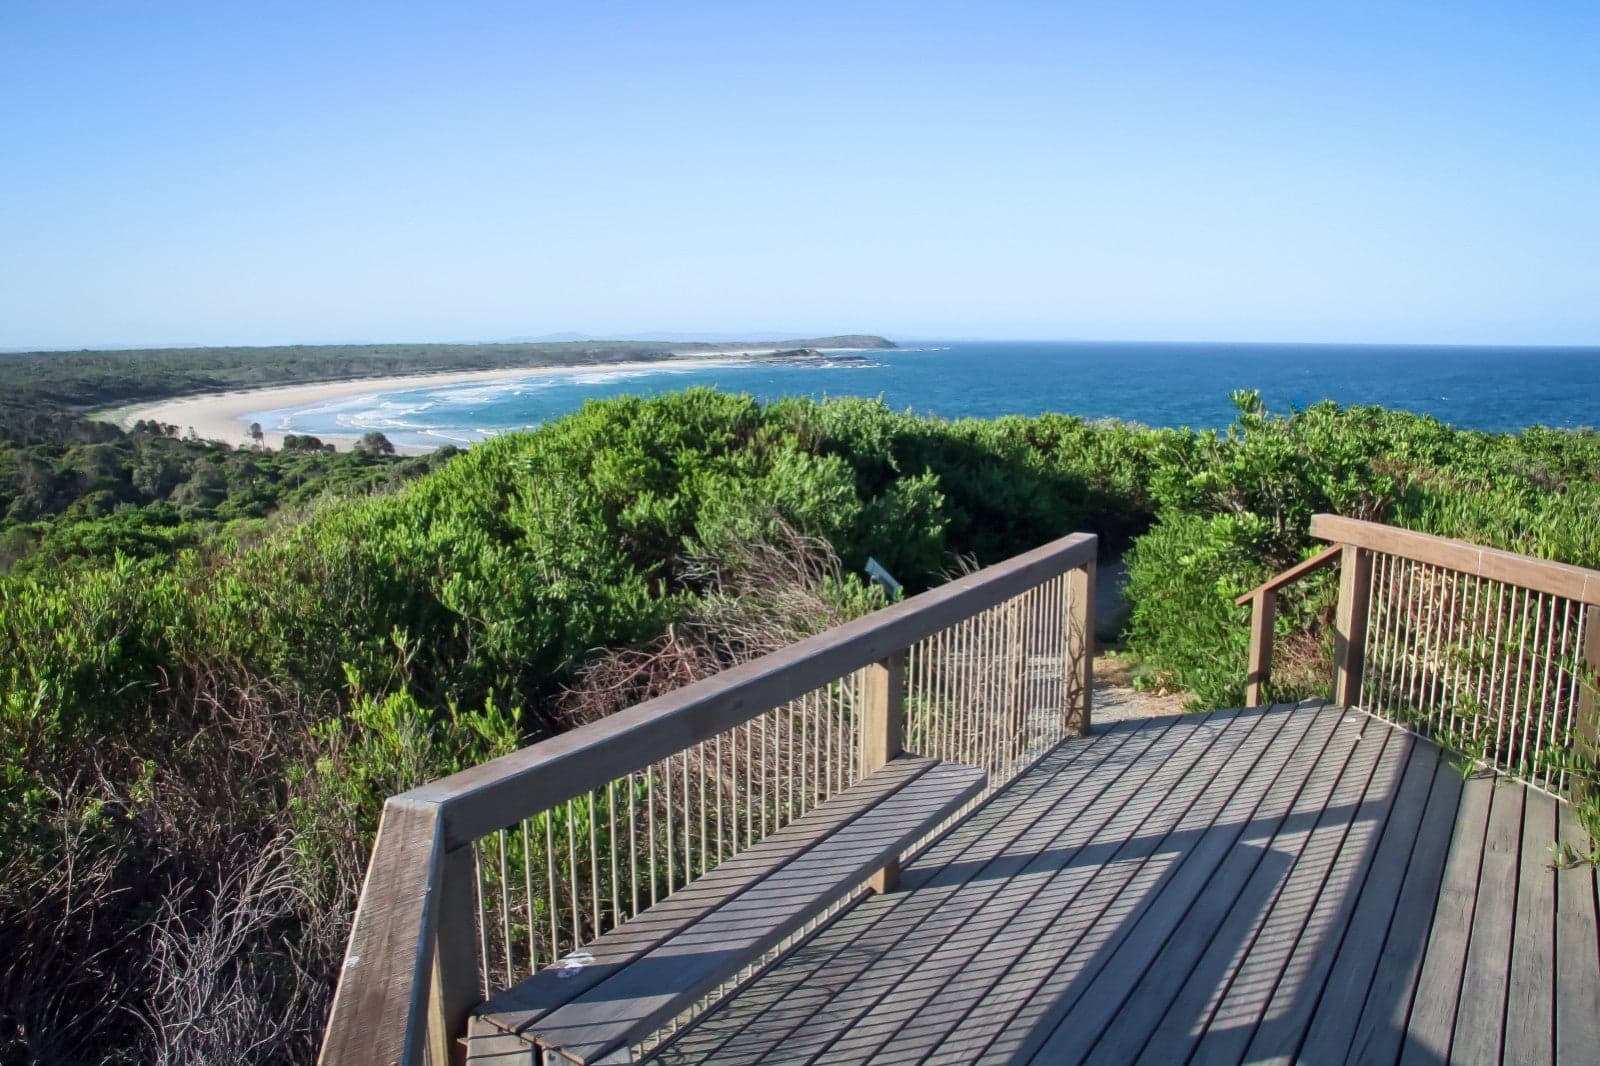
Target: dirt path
[1115, 699]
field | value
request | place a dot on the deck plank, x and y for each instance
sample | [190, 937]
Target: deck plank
[1296, 753]
[1480, 1012]
[1030, 1000]
[1072, 904]
[1530, 1000]
[1250, 885]
[1148, 1003]
[823, 968]
[1350, 977]
[1431, 1024]
[1018, 821]
[1379, 1028]
[1577, 986]
[1262, 942]
[1288, 1015]
[667, 979]
[963, 934]
[490, 1045]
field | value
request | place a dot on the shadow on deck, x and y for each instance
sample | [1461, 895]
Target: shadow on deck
[1284, 883]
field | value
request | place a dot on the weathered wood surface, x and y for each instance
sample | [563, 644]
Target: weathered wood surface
[630, 1001]
[672, 977]
[1428, 787]
[942, 986]
[1378, 1033]
[1080, 644]
[1258, 671]
[1480, 1005]
[1431, 1020]
[883, 723]
[1281, 884]
[526, 1003]
[1350, 624]
[1577, 971]
[1055, 1019]
[1001, 837]
[1323, 558]
[1293, 797]
[456, 963]
[1541, 575]
[1586, 715]
[498, 793]
[1530, 990]
[379, 1012]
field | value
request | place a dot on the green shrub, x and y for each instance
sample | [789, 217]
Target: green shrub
[201, 647]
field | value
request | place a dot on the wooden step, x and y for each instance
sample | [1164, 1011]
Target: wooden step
[667, 958]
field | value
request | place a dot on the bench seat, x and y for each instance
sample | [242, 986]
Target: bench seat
[663, 961]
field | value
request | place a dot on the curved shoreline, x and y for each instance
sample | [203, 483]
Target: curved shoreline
[225, 416]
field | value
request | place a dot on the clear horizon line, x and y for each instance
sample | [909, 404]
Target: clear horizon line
[645, 338]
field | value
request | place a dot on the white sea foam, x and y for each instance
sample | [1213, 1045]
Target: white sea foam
[611, 377]
[453, 414]
[480, 393]
[459, 436]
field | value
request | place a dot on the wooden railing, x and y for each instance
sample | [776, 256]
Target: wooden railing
[1490, 652]
[479, 879]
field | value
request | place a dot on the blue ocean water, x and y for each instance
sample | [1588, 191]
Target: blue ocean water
[1497, 389]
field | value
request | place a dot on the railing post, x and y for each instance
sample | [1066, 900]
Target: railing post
[457, 969]
[882, 734]
[1263, 615]
[1080, 652]
[1586, 715]
[1350, 624]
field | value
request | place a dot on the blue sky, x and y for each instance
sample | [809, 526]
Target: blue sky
[263, 173]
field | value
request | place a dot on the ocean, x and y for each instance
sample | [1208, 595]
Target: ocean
[1500, 389]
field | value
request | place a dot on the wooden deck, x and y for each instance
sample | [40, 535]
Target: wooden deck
[1276, 884]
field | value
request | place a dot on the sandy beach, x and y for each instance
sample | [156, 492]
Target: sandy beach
[226, 416]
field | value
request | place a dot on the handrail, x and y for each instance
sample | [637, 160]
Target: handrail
[1356, 541]
[1487, 650]
[479, 800]
[398, 938]
[1524, 571]
[1264, 615]
[1291, 575]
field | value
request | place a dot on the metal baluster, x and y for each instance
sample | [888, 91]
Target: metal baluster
[505, 910]
[550, 877]
[633, 846]
[527, 882]
[483, 926]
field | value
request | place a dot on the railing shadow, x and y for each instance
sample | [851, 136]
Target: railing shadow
[1254, 1012]
[1249, 1017]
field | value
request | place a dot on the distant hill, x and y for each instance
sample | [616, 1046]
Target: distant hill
[89, 379]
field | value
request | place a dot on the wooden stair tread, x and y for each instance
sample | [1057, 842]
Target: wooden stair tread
[520, 1006]
[669, 956]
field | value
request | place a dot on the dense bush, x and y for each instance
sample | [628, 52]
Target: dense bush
[174, 705]
[1236, 507]
[76, 492]
[209, 678]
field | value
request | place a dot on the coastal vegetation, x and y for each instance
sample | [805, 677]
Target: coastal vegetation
[76, 493]
[1234, 508]
[88, 379]
[215, 663]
